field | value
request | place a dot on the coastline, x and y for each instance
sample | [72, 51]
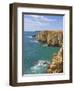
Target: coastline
[53, 38]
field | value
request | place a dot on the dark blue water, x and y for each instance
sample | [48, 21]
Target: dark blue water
[36, 55]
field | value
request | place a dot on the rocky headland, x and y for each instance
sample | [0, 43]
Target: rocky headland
[53, 38]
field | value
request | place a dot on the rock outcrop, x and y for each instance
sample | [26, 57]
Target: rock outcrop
[54, 38]
[42, 36]
[57, 63]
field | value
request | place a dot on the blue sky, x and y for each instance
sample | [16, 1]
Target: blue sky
[42, 22]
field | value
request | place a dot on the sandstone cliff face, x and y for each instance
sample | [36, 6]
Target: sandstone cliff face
[51, 37]
[42, 36]
[57, 63]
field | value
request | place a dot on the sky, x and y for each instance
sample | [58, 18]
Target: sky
[42, 22]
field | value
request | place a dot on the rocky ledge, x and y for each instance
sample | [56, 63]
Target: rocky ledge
[54, 38]
[56, 65]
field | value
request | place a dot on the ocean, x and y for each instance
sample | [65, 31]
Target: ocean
[36, 55]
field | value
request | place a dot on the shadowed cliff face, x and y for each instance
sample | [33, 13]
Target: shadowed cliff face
[53, 38]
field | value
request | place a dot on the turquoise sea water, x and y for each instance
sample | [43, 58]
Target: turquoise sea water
[36, 55]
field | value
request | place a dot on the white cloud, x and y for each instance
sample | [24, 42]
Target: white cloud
[42, 18]
[39, 22]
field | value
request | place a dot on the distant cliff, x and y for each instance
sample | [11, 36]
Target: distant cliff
[54, 38]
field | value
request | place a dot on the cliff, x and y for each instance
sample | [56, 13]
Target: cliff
[54, 38]
[57, 63]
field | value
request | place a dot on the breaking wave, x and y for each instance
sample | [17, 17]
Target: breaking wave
[34, 41]
[40, 67]
[29, 36]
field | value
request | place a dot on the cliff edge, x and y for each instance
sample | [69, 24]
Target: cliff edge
[54, 38]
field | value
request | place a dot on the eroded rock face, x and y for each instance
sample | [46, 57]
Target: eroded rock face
[42, 36]
[51, 37]
[57, 63]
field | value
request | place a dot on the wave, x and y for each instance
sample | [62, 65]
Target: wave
[34, 41]
[45, 45]
[40, 67]
[29, 36]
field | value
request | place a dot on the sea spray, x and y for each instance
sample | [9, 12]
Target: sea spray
[40, 67]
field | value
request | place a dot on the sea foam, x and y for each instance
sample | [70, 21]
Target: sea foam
[34, 41]
[29, 36]
[40, 67]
